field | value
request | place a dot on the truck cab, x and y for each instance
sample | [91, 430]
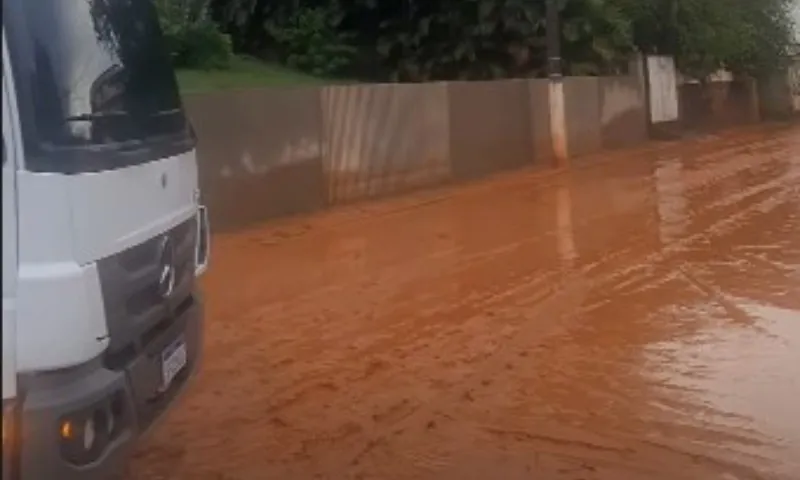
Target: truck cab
[104, 236]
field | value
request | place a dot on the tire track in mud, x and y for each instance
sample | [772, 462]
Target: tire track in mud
[463, 308]
[723, 170]
[482, 257]
[531, 310]
[566, 301]
[558, 305]
[408, 271]
[736, 219]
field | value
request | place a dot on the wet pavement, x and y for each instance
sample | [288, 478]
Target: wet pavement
[635, 318]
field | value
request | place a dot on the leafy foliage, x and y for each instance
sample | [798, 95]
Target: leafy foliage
[415, 40]
[466, 39]
[310, 39]
[598, 37]
[193, 39]
[745, 36]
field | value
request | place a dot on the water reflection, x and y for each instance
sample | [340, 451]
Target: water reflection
[565, 233]
[731, 376]
[672, 202]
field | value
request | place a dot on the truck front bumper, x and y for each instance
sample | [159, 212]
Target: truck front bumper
[129, 399]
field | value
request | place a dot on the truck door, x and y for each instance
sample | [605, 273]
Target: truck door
[9, 252]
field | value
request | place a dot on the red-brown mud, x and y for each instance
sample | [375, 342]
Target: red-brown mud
[637, 317]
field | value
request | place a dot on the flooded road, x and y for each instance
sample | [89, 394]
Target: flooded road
[635, 318]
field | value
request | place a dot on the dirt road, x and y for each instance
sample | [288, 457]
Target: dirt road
[635, 318]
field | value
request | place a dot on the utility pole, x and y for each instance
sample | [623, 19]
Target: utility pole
[558, 123]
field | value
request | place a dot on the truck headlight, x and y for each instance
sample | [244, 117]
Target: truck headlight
[85, 434]
[11, 440]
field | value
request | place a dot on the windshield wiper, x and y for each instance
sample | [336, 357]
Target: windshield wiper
[164, 113]
[88, 117]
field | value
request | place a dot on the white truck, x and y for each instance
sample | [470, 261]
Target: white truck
[104, 236]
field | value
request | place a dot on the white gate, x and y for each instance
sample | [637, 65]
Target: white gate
[663, 80]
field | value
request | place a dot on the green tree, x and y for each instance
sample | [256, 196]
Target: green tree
[416, 40]
[598, 37]
[193, 39]
[745, 36]
[311, 39]
[483, 39]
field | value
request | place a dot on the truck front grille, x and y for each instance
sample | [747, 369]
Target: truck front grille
[129, 280]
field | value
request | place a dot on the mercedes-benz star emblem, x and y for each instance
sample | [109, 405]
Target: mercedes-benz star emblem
[166, 268]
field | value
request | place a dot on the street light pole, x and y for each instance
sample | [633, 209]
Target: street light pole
[558, 126]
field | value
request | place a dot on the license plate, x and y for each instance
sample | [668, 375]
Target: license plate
[173, 360]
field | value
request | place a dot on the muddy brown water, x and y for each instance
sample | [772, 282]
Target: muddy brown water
[635, 318]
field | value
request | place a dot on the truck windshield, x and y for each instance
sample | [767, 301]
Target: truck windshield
[93, 76]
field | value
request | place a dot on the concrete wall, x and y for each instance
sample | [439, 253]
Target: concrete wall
[623, 111]
[776, 98]
[260, 153]
[273, 152]
[584, 124]
[794, 81]
[604, 113]
[490, 127]
[720, 104]
[539, 108]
